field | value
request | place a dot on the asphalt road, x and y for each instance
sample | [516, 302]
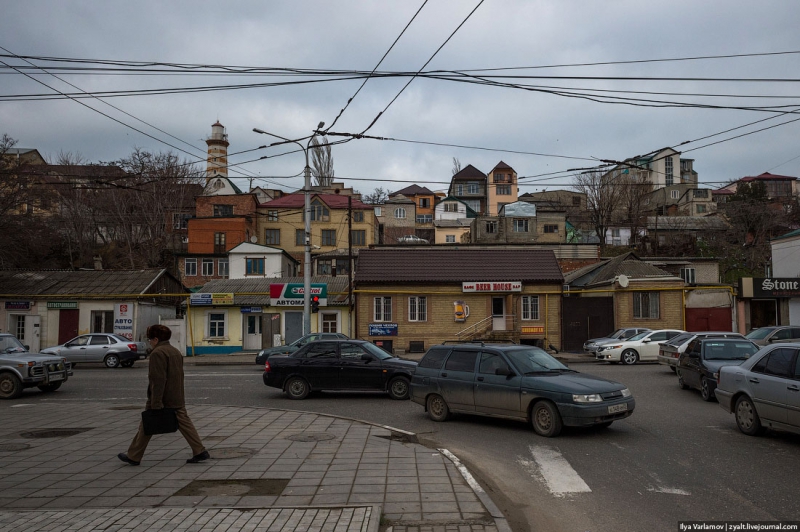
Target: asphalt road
[677, 458]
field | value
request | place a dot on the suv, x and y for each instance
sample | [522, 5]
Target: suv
[670, 351]
[774, 335]
[515, 382]
[20, 369]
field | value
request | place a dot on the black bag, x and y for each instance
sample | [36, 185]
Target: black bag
[159, 421]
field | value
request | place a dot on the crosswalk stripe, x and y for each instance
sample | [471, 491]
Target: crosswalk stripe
[559, 477]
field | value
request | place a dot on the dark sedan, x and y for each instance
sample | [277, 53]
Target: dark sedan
[516, 382]
[288, 349]
[339, 365]
[698, 366]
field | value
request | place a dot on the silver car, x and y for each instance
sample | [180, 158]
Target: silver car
[763, 392]
[591, 345]
[110, 349]
[774, 335]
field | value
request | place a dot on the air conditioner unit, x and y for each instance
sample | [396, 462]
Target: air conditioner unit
[185, 239]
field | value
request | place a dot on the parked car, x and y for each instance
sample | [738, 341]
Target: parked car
[21, 369]
[764, 391]
[339, 365]
[412, 239]
[774, 335]
[515, 382]
[620, 334]
[670, 351]
[699, 365]
[264, 354]
[110, 349]
[643, 346]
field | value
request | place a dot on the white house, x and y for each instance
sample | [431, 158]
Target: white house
[254, 260]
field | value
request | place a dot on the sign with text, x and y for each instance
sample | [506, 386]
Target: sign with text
[211, 299]
[62, 304]
[383, 329]
[18, 305]
[776, 287]
[532, 329]
[492, 286]
[251, 310]
[123, 320]
[293, 294]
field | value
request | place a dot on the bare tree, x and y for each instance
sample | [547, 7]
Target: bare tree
[321, 162]
[378, 197]
[456, 165]
[634, 187]
[603, 193]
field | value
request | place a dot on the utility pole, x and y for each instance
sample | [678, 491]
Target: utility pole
[350, 263]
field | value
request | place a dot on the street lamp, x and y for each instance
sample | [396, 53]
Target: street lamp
[307, 239]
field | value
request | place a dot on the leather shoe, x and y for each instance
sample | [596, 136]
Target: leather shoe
[124, 458]
[198, 458]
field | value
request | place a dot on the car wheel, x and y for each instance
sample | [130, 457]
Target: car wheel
[437, 408]
[747, 418]
[297, 388]
[398, 388]
[10, 386]
[50, 387]
[705, 390]
[111, 361]
[682, 385]
[674, 369]
[629, 356]
[127, 363]
[545, 419]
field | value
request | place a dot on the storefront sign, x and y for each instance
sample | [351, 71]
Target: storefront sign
[532, 330]
[18, 305]
[292, 294]
[383, 329]
[123, 320]
[62, 304]
[492, 286]
[776, 287]
[251, 310]
[211, 299]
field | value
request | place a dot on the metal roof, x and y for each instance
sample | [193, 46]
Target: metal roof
[337, 289]
[81, 282]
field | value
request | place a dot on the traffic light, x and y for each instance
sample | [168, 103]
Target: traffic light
[315, 304]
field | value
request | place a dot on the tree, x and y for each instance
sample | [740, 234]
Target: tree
[378, 197]
[13, 186]
[456, 165]
[603, 196]
[321, 162]
[634, 187]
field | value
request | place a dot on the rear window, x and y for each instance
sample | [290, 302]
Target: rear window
[434, 358]
[461, 360]
[679, 340]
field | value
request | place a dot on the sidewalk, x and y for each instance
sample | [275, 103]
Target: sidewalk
[272, 470]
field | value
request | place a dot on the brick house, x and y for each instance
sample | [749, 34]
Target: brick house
[407, 301]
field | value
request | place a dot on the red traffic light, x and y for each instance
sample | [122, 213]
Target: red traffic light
[315, 299]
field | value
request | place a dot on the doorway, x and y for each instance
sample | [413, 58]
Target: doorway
[294, 326]
[763, 313]
[67, 325]
[252, 332]
[499, 313]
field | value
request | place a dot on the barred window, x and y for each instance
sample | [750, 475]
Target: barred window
[383, 309]
[417, 308]
[530, 307]
[646, 305]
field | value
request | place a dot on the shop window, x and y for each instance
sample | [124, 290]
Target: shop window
[217, 324]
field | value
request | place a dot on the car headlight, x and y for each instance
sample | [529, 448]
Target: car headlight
[587, 398]
[612, 347]
[716, 375]
[625, 392]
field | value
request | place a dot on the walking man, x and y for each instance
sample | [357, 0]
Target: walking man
[165, 390]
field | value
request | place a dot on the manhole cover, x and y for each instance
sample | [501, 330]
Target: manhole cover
[10, 447]
[128, 407]
[53, 433]
[226, 453]
[311, 436]
[238, 487]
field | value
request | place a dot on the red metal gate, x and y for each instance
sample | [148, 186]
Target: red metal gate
[708, 319]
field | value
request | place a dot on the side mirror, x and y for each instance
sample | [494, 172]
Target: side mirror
[646, 341]
[366, 358]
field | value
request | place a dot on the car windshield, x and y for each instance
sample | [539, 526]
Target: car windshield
[758, 334]
[616, 334]
[534, 360]
[10, 344]
[375, 350]
[728, 350]
[639, 336]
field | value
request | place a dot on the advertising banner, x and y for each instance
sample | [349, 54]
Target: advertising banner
[211, 299]
[491, 286]
[292, 294]
[383, 329]
[123, 320]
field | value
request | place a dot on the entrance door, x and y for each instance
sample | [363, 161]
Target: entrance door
[763, 313]
[270, 326]
[67, 325]
[584, 318]
[252, 332]
[32, 333]
[294, 326]
[498, 313]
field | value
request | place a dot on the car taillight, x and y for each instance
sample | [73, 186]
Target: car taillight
[266, 366]
[132, 347]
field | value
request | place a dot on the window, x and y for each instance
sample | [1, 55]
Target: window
[503, 190]
[329, 237]
[701, 209]
[424, 218]
[645, 305]
[358, 237]
[208, 267]
[254, 266]
[425, 203]
[551, 228]
[450, 239]
[777, 362]
[473, 188]
[272, 237]
[216, 324]
[223, 267]
[332, 267]
[417, 308]
[219, 242]
[576, 201]
[180, 220]
[358, 216]
[383, 309]
[520, 225]
[530, 307]
[299, 237]
[459, 189]
[223, 210]
[319, 212]
[434, 358]
[272, 216]
[499, 178]
[491, 227]
[102, 322]
[321, 350]
[400, 213]
[378, 211]
[190, 267]
[701, 193]
[324, 267]
[416, 346]
[475, 205]
[20, 326]
[451, 206]
[461, 360]
[330, 322]
[490, 363]
[668, 179]
[687, 274]
[99, 339]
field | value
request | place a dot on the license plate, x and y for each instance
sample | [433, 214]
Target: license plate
[142, 357]
[618, 408]
[56, 377]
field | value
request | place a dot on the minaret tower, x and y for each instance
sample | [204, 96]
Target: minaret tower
[217, 162]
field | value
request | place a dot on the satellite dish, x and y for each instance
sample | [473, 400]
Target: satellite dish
[254, 239]
[623, 281]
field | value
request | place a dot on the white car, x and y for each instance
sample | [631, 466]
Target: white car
[643, 346]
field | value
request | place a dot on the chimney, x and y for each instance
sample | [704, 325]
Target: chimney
[98, 262]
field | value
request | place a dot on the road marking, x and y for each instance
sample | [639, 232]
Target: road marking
[554, 470]
[463, 470]
[663, 489]
[25, 404]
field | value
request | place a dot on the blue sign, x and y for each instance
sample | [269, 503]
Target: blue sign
[383, 329]
[250, 310]
[200, 299]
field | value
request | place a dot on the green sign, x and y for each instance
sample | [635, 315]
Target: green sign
[62, 304]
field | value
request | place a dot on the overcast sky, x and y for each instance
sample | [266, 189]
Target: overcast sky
[354, 35]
